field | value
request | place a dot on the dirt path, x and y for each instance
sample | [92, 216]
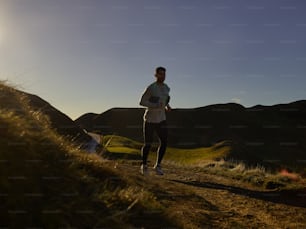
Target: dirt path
[199, 200]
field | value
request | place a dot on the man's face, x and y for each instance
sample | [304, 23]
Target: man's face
[160, 76]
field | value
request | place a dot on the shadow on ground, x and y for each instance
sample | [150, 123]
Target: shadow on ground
[118, 156]
[295, 198]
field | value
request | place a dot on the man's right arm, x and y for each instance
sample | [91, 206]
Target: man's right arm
[146, 100]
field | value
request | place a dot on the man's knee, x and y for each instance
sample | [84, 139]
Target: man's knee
[163, 140]
[146, 146]
[163, 144]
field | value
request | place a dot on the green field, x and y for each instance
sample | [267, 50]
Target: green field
[118, 145]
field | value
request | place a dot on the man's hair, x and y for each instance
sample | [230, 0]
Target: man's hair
[160, 69]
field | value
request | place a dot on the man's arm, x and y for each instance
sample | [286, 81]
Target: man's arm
[146, 100]
[168, 107]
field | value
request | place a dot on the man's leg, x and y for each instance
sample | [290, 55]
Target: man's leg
[162, 133]
[148, 131]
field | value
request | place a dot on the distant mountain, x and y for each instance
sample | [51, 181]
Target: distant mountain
[260, 134]
[16, 100]
[121, 121]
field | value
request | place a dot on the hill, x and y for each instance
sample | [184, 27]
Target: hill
[269, 135]
[46, 182]
[20, 102]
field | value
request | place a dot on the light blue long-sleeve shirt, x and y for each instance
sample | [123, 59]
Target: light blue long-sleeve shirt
[155, 110]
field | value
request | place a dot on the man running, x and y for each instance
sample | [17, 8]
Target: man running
[156, 100]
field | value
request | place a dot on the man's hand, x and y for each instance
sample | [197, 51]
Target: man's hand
[168, 108]
[161, 105]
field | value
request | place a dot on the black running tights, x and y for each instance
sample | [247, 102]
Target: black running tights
[148, 131]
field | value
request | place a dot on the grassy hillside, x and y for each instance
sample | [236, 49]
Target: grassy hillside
[204, 159]
[45, 182]
[122, 147]
[20, 102]
[273, 136]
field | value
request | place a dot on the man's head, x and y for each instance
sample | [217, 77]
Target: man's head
[160, 74]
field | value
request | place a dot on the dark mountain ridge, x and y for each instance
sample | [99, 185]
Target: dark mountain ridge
[259, 134]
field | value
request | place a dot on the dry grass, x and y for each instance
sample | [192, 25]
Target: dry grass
[46, 181]
[209, 160]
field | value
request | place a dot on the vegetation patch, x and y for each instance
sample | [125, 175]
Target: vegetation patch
[46, 181]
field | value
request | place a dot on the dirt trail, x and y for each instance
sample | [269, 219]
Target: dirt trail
[200, 200]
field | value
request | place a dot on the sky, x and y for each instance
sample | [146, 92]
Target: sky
[90, 56]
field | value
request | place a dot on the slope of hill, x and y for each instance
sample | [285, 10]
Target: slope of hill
[45, 182]
[269, 135]
[19, 102]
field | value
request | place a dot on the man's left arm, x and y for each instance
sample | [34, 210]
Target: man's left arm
[168, 107]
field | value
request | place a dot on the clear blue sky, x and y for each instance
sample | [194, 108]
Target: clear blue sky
[89, 56]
